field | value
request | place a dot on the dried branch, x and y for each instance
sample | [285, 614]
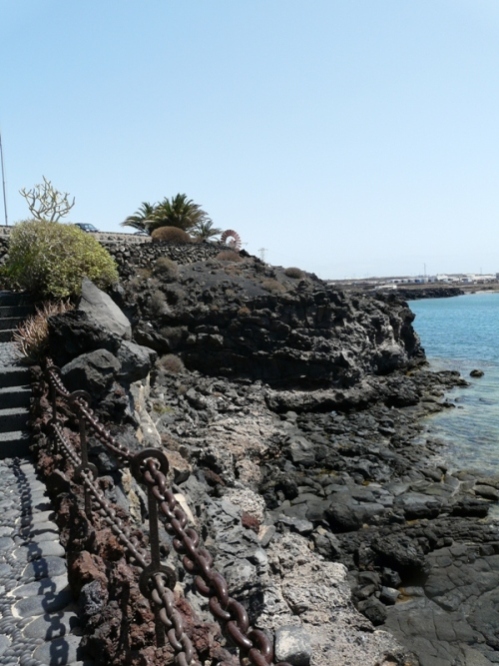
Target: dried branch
[47, 203]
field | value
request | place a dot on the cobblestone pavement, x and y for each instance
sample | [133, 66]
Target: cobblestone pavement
[8, 354]
[38, 619]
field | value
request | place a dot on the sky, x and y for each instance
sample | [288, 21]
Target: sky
[350, 138]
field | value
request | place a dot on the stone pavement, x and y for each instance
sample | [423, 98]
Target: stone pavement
[39, 622]
[38, 618]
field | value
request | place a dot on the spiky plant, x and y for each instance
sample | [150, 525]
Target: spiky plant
[179, 211]
[139, 220]
[31, 337]
[205, 230]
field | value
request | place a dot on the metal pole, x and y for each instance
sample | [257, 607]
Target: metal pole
[3, 183]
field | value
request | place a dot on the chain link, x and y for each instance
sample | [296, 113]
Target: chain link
[160, 595]
[254, 645]
[121, 452]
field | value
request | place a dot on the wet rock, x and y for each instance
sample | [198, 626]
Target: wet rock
[487, 492]
[470, 507]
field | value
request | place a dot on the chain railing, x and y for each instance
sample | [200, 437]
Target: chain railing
[150, 468]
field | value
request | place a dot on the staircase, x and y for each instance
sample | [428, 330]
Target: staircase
[15, 391]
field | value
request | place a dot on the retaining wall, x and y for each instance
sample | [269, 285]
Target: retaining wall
[132, 252]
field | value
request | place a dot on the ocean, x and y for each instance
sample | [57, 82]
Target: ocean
[462, 333]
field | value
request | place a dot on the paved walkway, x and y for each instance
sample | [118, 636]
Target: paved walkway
[39, 622]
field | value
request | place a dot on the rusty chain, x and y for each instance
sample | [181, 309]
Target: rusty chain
[150, 468]
[152, 585]
[105, 510]
[253, 644]
[121, 452]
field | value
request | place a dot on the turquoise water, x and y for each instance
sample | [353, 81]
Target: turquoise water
[462, 333]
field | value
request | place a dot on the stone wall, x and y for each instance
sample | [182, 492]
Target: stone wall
[129, 256]
[132, 252]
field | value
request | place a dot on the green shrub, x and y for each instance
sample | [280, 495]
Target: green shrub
[170, 235]
[51, 259]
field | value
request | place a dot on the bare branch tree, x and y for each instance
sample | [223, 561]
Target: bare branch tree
[47, 203]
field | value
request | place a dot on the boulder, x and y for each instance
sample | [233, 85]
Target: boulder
[418, 505]
[102, 309]
[399, 552]
[373, 609]
[74, 333]
[93, 372]
[136, 361]
[345, 515]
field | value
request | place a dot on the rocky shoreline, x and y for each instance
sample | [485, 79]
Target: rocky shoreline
[293, 417]
[359, 489]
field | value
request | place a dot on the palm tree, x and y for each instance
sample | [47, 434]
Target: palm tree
[205, 230]
[179, 211]
[139, 220]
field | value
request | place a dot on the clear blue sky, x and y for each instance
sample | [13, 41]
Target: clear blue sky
[346, 137]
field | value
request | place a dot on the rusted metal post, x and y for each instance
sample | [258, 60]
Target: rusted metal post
[155, 559]
[84, 464]
[53, 400]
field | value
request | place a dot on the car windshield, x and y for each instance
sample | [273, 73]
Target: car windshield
[86, 226]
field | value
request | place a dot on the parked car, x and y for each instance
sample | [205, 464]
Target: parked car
[86, 226]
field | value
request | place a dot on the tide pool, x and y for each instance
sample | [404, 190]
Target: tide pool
[462, 333]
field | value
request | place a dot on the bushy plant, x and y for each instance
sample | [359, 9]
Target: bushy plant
[273, 286]
[31, 337]
[166, 269]
[158, 303]
[170, 235]
[51, 259]
[171, 364]
[229, 255]
[293, 272]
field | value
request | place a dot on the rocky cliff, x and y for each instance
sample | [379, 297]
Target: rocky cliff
[291, 416]
[235, 316]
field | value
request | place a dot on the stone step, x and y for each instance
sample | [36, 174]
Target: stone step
[20, 311]
[7, 335]
[14, 375]
[14, 396]
[14, 443]
[15, 418]
[7, 323]
[13, 298]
